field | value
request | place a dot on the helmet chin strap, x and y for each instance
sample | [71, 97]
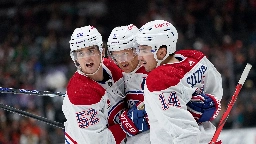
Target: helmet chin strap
[159, 61]
[137, 67]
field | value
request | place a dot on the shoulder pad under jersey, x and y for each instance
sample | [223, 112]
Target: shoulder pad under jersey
[115, 70]
[195, 54]
[163, 77]
[82, 90]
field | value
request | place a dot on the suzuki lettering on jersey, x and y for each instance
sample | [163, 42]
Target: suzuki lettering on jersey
[197, 76]
[200, 90]
[87, 118]
[173, 100]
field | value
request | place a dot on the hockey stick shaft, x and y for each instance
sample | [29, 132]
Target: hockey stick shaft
[231, 103]
[29, 115]
[31, 92]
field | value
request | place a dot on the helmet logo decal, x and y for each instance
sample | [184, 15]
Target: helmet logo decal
[114, 36]
[130, 27]
[79, 34]
[161, 25]
[141, 29]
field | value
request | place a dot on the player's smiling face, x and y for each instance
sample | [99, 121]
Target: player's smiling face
[89, 59]
[146, 57]
[126, 59]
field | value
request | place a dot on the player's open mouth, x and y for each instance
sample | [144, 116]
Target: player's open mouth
[143, 62]
[89, 65]
[125, 65]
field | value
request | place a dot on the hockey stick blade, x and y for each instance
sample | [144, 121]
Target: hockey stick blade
[231, 103]
[30, 115]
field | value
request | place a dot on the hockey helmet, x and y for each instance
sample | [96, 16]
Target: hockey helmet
[156, 34]
[122, 38]
[85, 37]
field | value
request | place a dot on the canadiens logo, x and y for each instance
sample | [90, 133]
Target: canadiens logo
[115, 111]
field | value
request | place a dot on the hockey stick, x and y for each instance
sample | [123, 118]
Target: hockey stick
[29, 115]
[31, 92]
[231, 103]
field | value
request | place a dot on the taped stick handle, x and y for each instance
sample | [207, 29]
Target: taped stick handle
[245, 73]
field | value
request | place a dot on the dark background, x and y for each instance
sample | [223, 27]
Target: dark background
[34, 51]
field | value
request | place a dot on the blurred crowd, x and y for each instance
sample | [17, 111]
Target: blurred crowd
[34, 52]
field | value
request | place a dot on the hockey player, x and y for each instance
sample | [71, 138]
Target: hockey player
[122, 49]
[94, 99]
[178, 82]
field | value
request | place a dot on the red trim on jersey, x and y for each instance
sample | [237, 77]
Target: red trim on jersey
[70, 138]
[115, 70]
[115, 112]
[118, 133]
[195, 54]
[169, 75]
[142, 70]
[82, 90]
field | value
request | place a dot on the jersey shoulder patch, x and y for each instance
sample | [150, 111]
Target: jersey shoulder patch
[163, 77]
[195, 54]
[81, 90]
[115, 70]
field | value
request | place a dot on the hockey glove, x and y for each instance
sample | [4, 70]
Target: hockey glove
[134, 121]
[204, 107]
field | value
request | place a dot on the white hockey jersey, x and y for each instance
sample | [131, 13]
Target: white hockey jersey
[92, 109]
[169, 88]
[134, 86]
[134, 91]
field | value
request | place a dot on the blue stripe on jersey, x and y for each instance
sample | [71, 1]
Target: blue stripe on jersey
[66, 141]
[113, 107]
[134, 92]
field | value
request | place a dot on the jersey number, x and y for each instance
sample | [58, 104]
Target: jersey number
[172, 101]
[87, 118]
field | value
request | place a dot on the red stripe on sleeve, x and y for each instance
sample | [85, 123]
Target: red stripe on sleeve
[118, 133]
